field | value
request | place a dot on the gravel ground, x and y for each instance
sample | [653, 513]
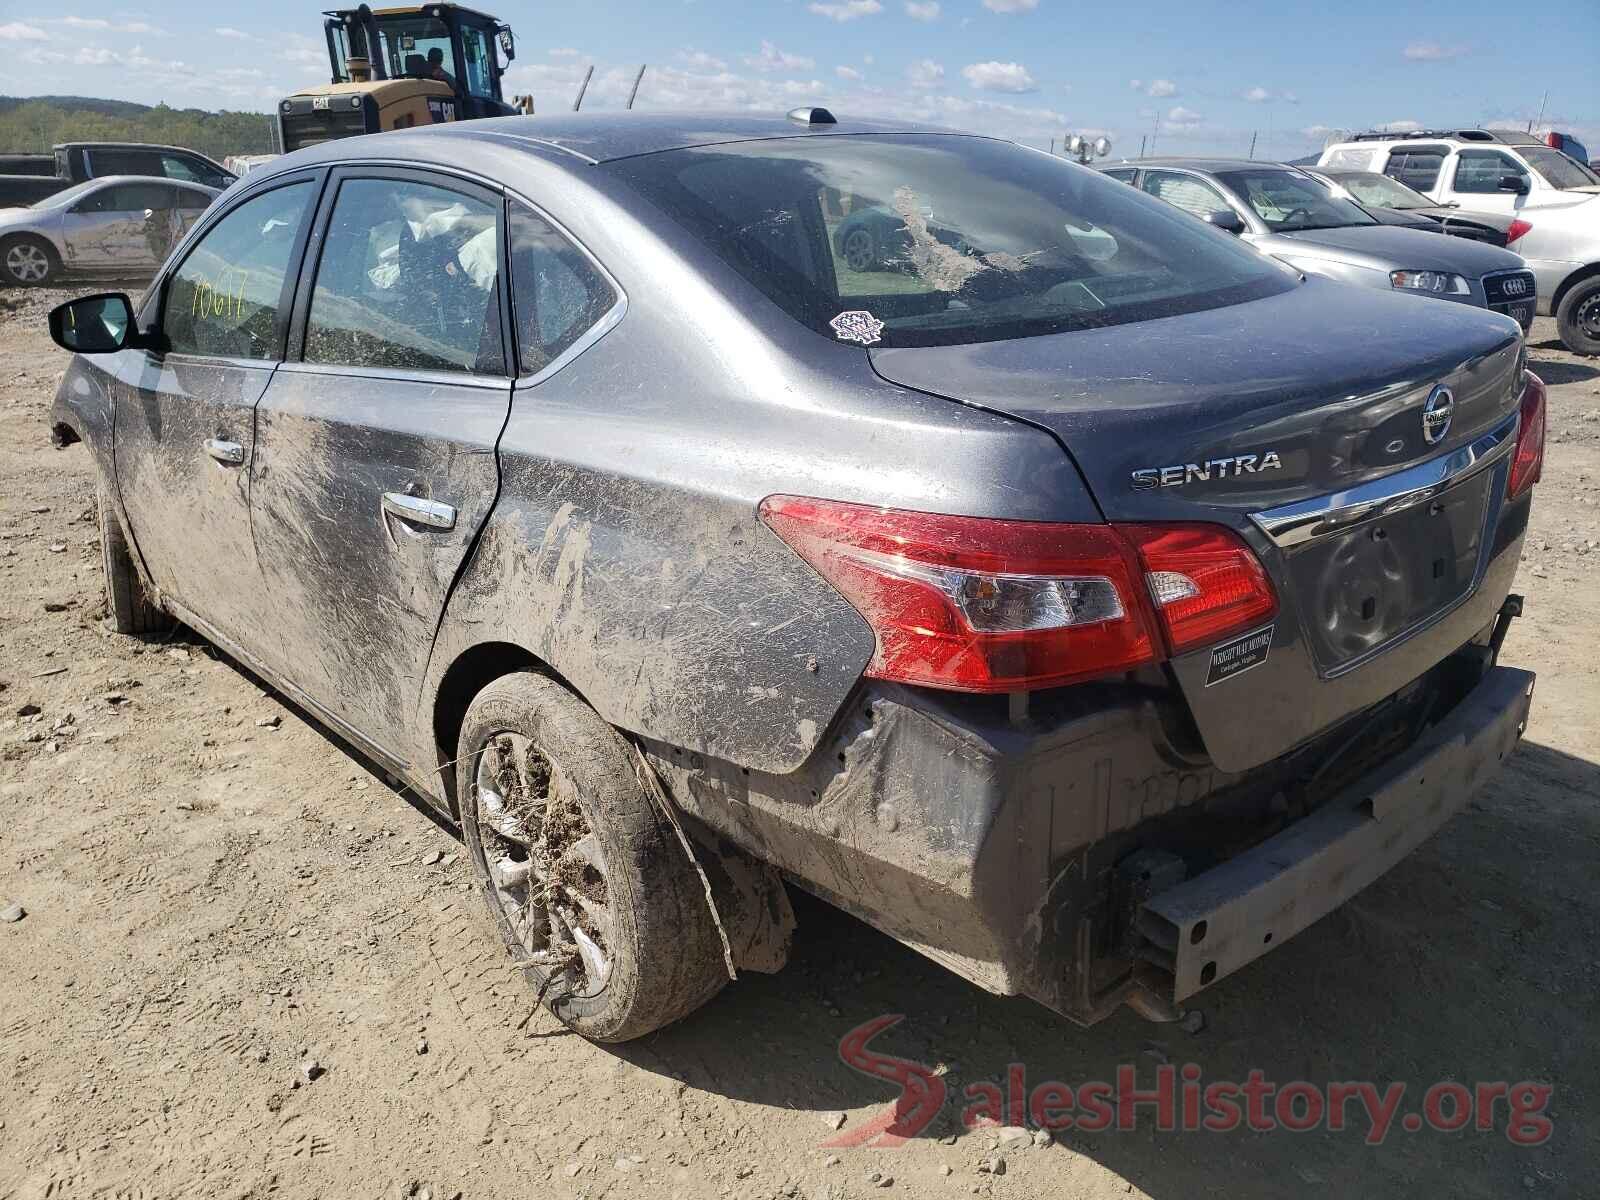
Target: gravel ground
[216, 895]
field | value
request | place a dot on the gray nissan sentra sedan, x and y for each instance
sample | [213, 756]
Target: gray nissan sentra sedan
[1081, 597]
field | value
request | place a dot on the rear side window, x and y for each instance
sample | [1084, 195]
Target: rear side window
[125, 162]
[1193, 195]
[1479, 172]
[408, 280]
[558, 294]
[227, 299]
[1416, 166]
[925, 240]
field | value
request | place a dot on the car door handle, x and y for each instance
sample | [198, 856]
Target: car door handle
[231, 453]
[419, 511]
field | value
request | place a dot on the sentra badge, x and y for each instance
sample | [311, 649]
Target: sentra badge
[1213, 468]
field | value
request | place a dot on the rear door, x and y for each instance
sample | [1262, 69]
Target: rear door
[375, 464]
[185, 418]
[98, 230]
[1418, 167]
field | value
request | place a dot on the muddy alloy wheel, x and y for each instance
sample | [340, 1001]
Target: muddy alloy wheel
[545, 864]
[859, 251]
[584, 878]
[26, 262]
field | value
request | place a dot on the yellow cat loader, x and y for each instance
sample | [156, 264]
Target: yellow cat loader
[394, 68]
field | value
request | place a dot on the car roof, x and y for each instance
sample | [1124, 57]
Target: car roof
[605, 136]
[1206, 164]
[109, 180]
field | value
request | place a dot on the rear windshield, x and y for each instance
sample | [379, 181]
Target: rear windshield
[927, 240]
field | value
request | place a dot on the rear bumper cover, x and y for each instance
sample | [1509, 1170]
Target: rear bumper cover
[1233, 914]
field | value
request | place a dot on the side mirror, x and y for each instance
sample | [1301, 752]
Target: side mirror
[1226, 220]
[508, 43]
[94, 324]
[1514, 183]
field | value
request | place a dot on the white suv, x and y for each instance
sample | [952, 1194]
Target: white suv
[1555, 198]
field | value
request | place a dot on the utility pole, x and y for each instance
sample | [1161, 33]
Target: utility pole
[1052, 145]
[1155, 129]
[1252, 153]
[636, 80]
[582, 88]
[1142, 140]
[1540, 120]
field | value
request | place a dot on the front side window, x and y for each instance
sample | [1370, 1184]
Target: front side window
[1479, 172]
[407, 280]
[193, 170]
[1122, 174]
[227, 299]
[558, 293]
[916, 240]
[1288, 201]
[1194, 196]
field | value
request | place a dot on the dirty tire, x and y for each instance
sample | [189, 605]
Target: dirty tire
[666, 954]
[131, 608]
[1578, 317]
[27, 261]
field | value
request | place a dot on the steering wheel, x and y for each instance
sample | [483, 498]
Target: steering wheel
[1289, 216]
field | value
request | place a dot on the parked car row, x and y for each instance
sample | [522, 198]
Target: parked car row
[28, 178]
[1299, 219]
[1059, 583]
[1553, 197]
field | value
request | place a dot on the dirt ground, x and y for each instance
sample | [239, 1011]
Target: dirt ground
[216, 893]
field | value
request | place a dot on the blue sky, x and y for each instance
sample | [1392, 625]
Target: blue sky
[1198, 77]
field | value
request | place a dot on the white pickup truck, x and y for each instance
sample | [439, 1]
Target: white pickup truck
[1555, 198]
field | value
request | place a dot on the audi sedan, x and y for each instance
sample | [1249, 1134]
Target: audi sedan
[119, 226]
[1091, 602]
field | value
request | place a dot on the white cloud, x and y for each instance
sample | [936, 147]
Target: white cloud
[847, 73]
[226, 31]
[773, 59]
[16, 31]
[923, 12]
[1318, 133]
[93, 56]
[925, 74]
[1179, 115]
[700, 60]
[1257, 95]
[1432, 52]
[564, 52]
[847, 10]
[101, 23]
[1405, 126]
[999, 77]
[1289, 97]
[1010, 6]
[1160, 89]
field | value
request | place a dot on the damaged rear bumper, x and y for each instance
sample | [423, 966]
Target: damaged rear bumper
[1210, 926]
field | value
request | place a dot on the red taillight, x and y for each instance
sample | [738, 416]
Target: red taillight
[1205, 582]
[1528, 462]
[1518, 228]
[979, 605]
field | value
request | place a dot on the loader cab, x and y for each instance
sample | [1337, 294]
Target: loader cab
[396, 68]
[464, 49]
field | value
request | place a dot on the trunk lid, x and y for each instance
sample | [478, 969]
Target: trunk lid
[1253, 416]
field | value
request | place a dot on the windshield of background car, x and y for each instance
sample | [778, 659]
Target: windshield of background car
[1288, 201]
[1558, 170]
[1371, 188]
[944, 239]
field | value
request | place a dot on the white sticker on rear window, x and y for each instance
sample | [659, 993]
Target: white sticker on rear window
[857, 325]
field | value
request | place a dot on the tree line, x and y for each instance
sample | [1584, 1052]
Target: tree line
[32, 126]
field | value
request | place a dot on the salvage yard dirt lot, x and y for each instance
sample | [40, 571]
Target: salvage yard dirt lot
[216, 894]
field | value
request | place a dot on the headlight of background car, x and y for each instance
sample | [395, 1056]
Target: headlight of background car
[1440, 283]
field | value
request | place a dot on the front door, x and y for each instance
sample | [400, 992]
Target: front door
[98, 229]
[375, 452]
[1477, 180]
[185, 417]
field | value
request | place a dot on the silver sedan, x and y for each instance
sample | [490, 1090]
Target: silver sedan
[121, 225]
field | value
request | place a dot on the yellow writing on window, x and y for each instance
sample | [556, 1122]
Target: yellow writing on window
[222, 298]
